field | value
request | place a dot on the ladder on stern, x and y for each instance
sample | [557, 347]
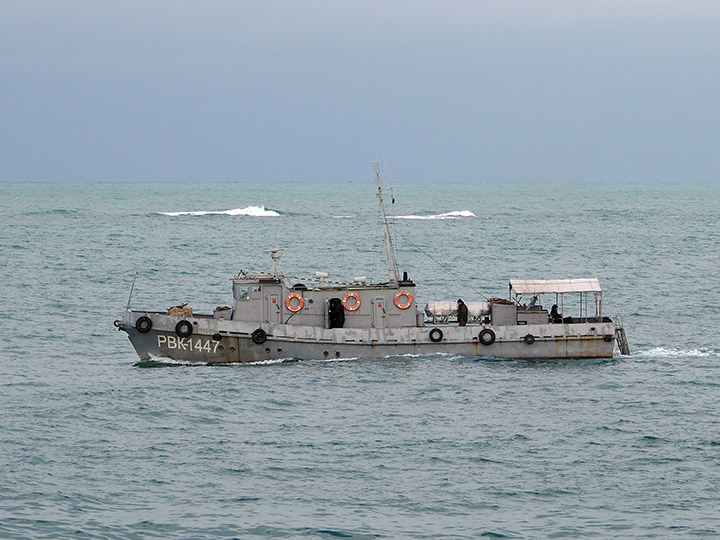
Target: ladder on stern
[621, 338]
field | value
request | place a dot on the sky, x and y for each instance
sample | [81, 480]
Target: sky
[316, 90]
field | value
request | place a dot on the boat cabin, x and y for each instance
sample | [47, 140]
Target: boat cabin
[267, 298]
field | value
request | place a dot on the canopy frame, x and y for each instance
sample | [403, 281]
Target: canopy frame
[560, 287]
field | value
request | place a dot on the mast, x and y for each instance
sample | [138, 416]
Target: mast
[392, 266]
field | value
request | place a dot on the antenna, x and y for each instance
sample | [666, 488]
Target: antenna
[392, 265]
[137, 273]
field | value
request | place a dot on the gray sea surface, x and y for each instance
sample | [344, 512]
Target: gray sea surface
[96, 445]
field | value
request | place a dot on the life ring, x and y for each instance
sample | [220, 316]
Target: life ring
[143, 324]
[183, 329]
[353, 307]
[436, 335]
[487, 337]
[529, 339]
[294, 296]
[259, 336]
[399, 295]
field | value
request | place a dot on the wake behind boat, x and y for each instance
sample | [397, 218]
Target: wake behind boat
[275, 316]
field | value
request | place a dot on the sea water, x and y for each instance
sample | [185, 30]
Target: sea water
[97, 445]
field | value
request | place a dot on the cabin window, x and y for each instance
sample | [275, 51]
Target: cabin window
[242, 293]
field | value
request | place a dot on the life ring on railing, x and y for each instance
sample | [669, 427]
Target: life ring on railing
[353, 307]
[399, 295]
[294, 296]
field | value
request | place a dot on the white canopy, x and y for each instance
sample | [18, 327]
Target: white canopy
[553, 286]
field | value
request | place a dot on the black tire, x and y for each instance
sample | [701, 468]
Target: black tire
[143, 324]
[608, 338]
[436, 335]
[217, 337]
[184, 329]
[487, 337]
[259, 336]
[529, 339]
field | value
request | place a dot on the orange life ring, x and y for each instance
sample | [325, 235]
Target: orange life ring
[292, 296]
[355, 306]
[399, 295]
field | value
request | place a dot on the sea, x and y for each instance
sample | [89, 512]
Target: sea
[95, 444]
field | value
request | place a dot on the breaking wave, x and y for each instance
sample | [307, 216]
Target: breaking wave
[267, 362]
[448, 215]
[254, 211]
[155, 361]
[662, 352]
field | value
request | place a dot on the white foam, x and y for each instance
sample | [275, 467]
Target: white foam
[254, 211]
[267, 362]
[448, 215]
[342, 359]
[444, 356]
[662, 352]
[165, 360]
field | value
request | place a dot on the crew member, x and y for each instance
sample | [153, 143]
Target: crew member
[554, 315]
[336, 313]
[462, 313]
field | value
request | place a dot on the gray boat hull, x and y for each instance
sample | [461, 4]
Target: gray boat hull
[219, 341]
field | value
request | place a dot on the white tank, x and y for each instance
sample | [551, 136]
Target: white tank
[443, 309]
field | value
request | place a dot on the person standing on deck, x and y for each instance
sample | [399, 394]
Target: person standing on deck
[462, 313]
[336, 313]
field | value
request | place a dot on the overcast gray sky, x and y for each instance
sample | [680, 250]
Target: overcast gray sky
[316, 90]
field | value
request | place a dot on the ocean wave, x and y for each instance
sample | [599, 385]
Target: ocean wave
[254, 211]
[342, 359]
[448, 215]
[266, 362]
[155, 361]
[54, 211]
[662, 352]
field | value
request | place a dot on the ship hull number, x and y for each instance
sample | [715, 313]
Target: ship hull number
[187, 344]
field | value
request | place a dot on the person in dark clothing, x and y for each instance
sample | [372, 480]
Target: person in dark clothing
[462, 313]
[336, 313]
[554, 315]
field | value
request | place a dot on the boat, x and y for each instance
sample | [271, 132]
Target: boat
[277, 317]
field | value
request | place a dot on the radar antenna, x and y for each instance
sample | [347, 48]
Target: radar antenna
[276, 254]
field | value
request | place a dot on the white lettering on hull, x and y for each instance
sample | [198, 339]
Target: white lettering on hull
[187, 344]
